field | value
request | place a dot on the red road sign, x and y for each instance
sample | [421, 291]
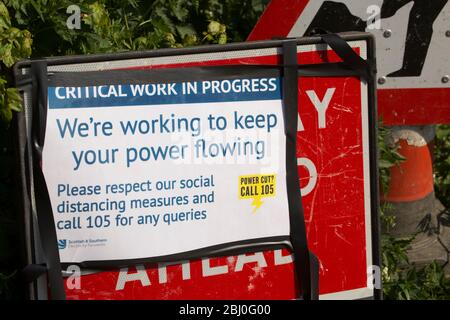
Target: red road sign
[338, 182]
[412, 45]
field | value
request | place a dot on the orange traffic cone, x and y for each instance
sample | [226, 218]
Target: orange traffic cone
[411, 194]
[413, 179]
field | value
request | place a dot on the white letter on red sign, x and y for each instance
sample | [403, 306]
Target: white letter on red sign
[321, 106]
[255, 257]
[308, 164]
[279, 259]
[212, 271]
[300, 126]
[185, 270]
[124, 277]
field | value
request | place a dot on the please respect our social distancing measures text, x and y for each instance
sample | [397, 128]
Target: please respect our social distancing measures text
[121, 158]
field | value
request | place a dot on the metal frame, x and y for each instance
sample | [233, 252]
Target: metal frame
[37, 290]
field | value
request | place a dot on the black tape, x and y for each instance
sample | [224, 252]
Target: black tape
[307, 272]
[32, 272]
[349, 57]
[225, 249]
[45, 218]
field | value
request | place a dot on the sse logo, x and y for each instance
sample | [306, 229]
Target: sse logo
[62, 244]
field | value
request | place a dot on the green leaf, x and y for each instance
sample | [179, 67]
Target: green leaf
[214, 28]
[179, 10]
[186, 30]
[5, 21]
[13, 99]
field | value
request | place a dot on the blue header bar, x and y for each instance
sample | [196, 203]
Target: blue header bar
[164, 93]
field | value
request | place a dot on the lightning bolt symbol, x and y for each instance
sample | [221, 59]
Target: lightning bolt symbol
[257, 203]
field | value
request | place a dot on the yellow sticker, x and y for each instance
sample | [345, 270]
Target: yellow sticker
[257, 186]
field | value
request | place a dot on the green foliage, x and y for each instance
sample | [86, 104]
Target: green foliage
[408, 283]
[388, 157]
[15, 44]
[442, 164]
[394, 259]
[403, 280]
[9, 101]
[113, 25]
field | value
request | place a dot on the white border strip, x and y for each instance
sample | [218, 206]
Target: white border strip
[196, 57]
[354, 294]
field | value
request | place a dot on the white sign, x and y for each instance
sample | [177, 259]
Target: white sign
[155, 169]
[410, 35]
